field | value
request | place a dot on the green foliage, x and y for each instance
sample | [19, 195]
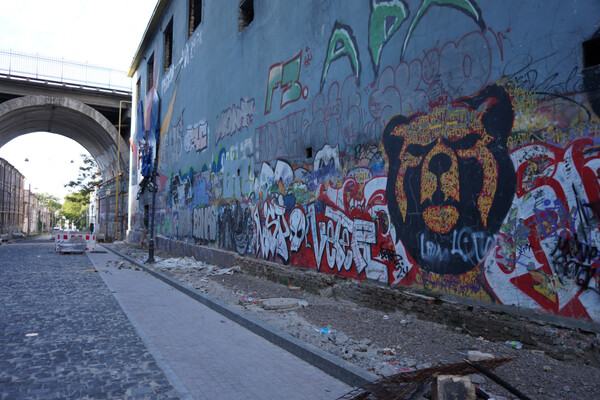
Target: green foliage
[76, 204]
[51, 202]
[89, 176]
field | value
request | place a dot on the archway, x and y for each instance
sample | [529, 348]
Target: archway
[70, 118]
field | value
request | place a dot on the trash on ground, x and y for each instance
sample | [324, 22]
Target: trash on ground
[295, 288]
[514, 344]
[33, 334]
[386, 317]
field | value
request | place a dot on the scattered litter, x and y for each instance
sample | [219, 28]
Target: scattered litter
[31, 334]
[514, 344]
[324, 331]
[91, 270]
[295, 288]
[387, 351]
[386, 317]
[538, 352]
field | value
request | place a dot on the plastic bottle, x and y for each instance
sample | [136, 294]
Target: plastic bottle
[514, 344]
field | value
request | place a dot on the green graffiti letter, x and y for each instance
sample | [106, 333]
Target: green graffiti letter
[292, 89]
[273, 81]
[469, 7]
[341, 43]
[385, 20]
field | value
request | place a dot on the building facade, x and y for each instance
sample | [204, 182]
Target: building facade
[449, 146]
[11, 199]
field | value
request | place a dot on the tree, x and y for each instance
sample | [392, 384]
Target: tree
[89, 176]
[51, 204]
[76, 204]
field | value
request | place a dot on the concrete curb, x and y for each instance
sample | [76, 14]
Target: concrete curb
[339, 369]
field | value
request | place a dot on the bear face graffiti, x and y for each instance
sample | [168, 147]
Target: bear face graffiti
[451, 180]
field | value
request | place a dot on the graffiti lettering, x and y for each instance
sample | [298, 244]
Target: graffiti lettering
[281, 138]
[286, 76]
[271, 239]
[234, 119]
[196, 136]
[386, 18]
[341, 43]
[205, 224]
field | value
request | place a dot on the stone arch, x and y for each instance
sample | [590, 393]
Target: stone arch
[70, 118]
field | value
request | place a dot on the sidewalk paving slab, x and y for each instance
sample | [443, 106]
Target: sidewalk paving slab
[204, 354]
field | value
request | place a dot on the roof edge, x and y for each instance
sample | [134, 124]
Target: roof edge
[156, 14]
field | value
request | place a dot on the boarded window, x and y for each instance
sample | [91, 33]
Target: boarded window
[168, 35]
[195, 15]
[150, 69]
[246, 14]
[138, 89]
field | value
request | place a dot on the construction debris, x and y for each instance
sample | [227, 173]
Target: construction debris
[419, 384]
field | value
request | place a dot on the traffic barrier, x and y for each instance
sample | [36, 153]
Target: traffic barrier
[63, 237]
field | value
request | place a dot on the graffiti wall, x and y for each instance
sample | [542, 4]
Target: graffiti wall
[450, 146]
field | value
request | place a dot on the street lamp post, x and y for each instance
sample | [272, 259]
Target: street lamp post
[28, 209]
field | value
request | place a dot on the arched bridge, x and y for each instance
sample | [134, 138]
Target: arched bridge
[86, 110]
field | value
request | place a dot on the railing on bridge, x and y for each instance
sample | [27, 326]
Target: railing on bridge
[15, 64]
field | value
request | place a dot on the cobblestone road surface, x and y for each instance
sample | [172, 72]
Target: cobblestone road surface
[63, 335]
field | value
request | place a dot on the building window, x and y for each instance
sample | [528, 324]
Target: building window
[246, 14]
[195, 15]
[150, 69]
[168, 34]
[138, 89]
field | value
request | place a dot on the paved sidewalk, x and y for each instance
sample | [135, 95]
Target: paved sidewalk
[205, 355]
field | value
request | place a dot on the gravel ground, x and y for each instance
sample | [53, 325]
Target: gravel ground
[383, 343]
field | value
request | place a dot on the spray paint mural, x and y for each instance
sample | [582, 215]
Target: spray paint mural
[426, 144]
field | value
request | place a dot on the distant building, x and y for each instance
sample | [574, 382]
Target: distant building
[451, 147]
[11, 199]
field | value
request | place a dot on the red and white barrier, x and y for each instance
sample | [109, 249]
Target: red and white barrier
[62, 236]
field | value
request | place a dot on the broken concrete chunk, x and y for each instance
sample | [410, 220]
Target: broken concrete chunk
[475, 356]
[283, 303]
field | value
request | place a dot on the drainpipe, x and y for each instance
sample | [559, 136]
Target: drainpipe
[118, 171]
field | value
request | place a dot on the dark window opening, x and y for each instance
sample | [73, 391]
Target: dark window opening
[150, 69]
[246, 14]
[194, 16]
[591, 52]
[309, 152]
[168, 34]
[138, 89]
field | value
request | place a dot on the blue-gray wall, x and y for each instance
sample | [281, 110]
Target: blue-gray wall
[448, 145]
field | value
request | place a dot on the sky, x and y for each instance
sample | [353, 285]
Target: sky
[104, 33]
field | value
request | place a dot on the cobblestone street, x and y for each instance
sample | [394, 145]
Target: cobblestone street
[76, 327]
[63, 335]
